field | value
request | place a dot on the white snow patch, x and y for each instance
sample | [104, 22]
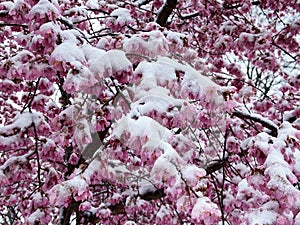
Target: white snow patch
[68, 51]
[35, 217]
[148, 44]
[260, 216]
[109, 62]
[203, 207]
[23, 121]
[43, 8]
[192, 172]
[123, 15]
[142, 127]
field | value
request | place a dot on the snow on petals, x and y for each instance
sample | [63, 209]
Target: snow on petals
[205, 212]
[23, 121]
[192, 174]
[61, 57]
[112, 63]
[43, 11]
[61, 194]
[153, 133]
[38, 216]
[149, 44]
[122, 16]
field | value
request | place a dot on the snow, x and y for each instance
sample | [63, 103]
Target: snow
[60, 193]
[169, 152]
[142, 127]
[130, 223]
[147, 188]
[166, 164]
[149, 44]
[82, 134]
[47, 27]
[116, 196]
[79, 78]
[228, 26]
[262, 217]
[160, 71]
[2, 176]
[247, 36]
[7, 5]
[92, 4]
[163, 211]
[297, 163]
[35, 217]
[164, 70]
[117, 168]
[191, 14]
[23, 56]
[94, 165]
[257, 116]
[23, 121]
[245, 191]
[77, 183]
[140, 2]
[117, 59]
[150, 103]
[297, 219]
[109, 62]
[175, 36]
[68, 51]
[44, 7]
[91, 52]
[286, 129]
[281, 176]
[148, 87]
[192, 172]
[37, 197]
[79, 10]
[260, 141]
[204, 207]
[13, 160]
[123, 15]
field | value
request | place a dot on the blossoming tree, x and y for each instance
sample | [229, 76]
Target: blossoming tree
[149, 112]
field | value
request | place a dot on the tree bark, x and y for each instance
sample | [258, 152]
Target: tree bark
[165, 12]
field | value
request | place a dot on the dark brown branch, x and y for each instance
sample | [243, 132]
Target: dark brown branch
[271, 127]
[285, 51]
[145, 2]
[227, 6]
[292, 117]
[4, 13]
[165, 12]
[189, 16]
[66, 212]
[154, 194]
[214, 166]
[97, 141]
[13, 25]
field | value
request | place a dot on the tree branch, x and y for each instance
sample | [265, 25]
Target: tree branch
[13, 25]
[227, 6]
[165, 12]
[189, 16]
[157, 193]
[66, 212]
[141, 3]
[267, 124]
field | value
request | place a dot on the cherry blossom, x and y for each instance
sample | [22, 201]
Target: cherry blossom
[149, 112]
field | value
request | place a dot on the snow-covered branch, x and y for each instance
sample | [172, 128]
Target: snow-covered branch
[259, 119]
[165, 12]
